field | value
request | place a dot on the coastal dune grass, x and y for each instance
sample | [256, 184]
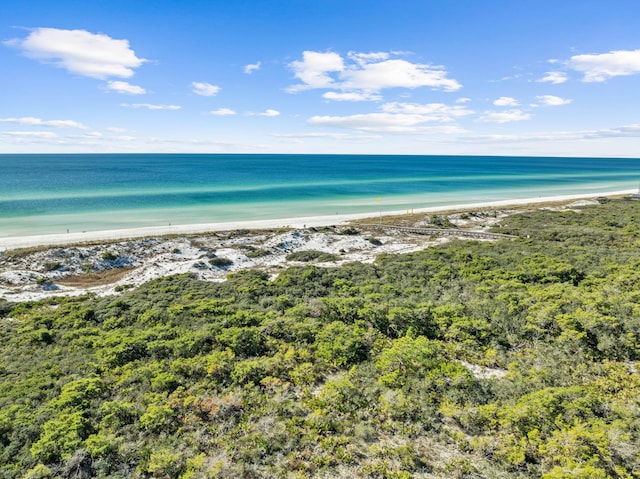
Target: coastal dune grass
[101, 278]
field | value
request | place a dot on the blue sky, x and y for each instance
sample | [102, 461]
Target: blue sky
[496, 77]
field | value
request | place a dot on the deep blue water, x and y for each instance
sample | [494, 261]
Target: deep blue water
[53, 193]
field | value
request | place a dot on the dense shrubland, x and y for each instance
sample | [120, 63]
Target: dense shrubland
[511, 359]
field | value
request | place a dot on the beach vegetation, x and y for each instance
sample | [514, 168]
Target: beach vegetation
[307, 256]
[109, 256]
[5, 307]
[89, 279]
[441, 221]
[122, 287]
[510, 359]
[220, 262]
[374, 241]
[350, 231]
[254, 252]
[257, 253]
[52, 266]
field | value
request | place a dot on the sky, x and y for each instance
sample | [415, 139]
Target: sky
[443, 77]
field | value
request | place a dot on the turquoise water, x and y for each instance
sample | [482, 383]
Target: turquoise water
[42, 194]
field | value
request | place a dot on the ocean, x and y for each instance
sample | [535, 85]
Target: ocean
[56, 193]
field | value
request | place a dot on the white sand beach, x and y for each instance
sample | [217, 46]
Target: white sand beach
[107, 262]
[296, 223]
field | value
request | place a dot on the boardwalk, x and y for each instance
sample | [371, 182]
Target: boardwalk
[444, 232]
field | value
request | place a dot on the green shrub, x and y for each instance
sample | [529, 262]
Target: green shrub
[257, 253]
[307, 256]
[350, 231]
[52, 265]
[109, 256]
[221, 263]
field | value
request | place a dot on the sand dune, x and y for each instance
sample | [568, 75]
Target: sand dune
[105, 262]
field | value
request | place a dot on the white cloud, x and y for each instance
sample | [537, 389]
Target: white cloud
[125, 87]
[384, 123]
[551, 100]
[463, 100]
[629, 131]
[27, 120]
[222, 112]
[429, 111]
[397, 74]
[351, 96]
[149, 106]
[363, 58]
[116, 129]
[252, 67]
[31, 134]
[332, 136]
[619, 132]
[314, 70]
[554, 77]
[506, 116]
[366, 74]
[508, 78]
[81, 52]
[506, 101]
[205, 89]
[269, 112]
[600, 67]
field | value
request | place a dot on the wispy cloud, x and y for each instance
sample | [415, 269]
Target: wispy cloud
[384, 123]
[430, 111]
[327, 135]
[125, 87]
[400, 117]
[150, 106]
[365, 74]
[554, 78]
[252, 67]
[267, 112]
[351, 96]
[628, 131]
[80, 52]
[27, 120]
[600, 67]
[618, 132]
[506, 101]
[551, 100]
[31, 134]
[506, 116]
[222, 112]
[204, 89]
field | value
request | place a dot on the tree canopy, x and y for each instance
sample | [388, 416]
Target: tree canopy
[509, 359]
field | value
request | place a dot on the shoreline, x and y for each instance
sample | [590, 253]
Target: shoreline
[60, 239]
